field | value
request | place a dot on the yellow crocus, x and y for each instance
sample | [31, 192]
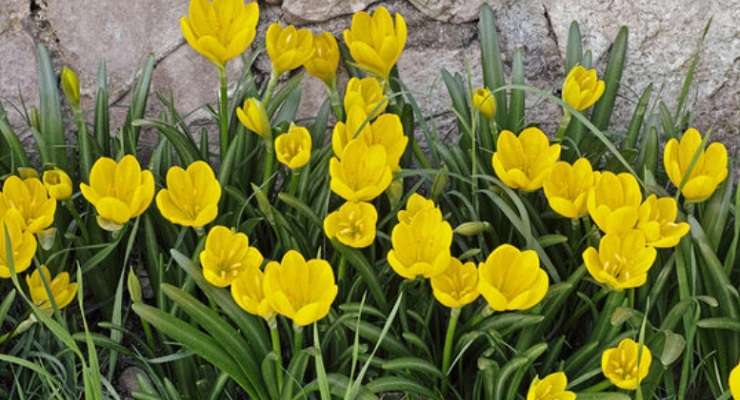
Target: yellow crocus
[511, 279]
[356, 125]
[353, 224]
[613, 202]
[566, 187]
[363, 172]
[414, 204]
[376, 41]
[226, 254]
[220, 29]
[323, 65]
[551, 387]
[247, 290]
[70, 86]
[709, 171]
[386, 131]
[622, 261]
[293, 148]
[457, 285]
[657, 220]
[288, 47]
[523, 162]
[62, 290]
[582, 88]
[421, 247]
[367, 94]
[30, 198]
[254, 117]
[22, 242]
[484, 102]
[299, 289]
[621, 366]
[119, 191]
[191, 196]
[58, 184]
[734, 382]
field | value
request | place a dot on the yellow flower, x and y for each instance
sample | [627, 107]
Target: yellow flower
[735, 382]
[567, 186]
[191, 197]
[367, 94]
[119, 191]
[22, 242]
[511, 279]
[657, 220]
[421, 247]
[523, 162]
[58, 184]
[247, 291]
[386, 131]
[30, 198]
[613, 202]
[620, 364]
[353, 224]
[376, 42]
[293, 148]
[622, 261]
[325, 60]
[484, 102]
[457, 285]
[70, 86]
[582, 87]
[288, 47]
[414, 204]
[62, 290]
[551, 387]
[254, 117]
[302, 290]
[709, 171]
[363, 172]
[226, 255]
[220, 29]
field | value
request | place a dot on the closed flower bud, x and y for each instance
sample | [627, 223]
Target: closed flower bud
[367, 94]
[71, 86]
[119, 191]
[226, 255]
[523, 162]
[551, 387]
[363, 172]
[657, 220]
[582, 88]
[254, 117]
[62, 290]
[220, 29]
[293, 149]
[353, 224]
[247, 290]
[613, 202]
[376, 42]
[622, 261]
[289, 48]
[30, 198]
[472, 228]
[709, 171]
[21, 241]
[191, 196]
[567, 186]
[484, 102]
[457, 285]
[511, 279]
[325, 60]
[621, 366]
[58, 184]
[134, 286]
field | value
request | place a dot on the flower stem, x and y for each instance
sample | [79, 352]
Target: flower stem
[295, 177]
[297, 339]
[276, 348]
[269, 89]
[223, 115]
[564, 122]
[268, 165]
[83, 229]
[336, 104]
[449, 339]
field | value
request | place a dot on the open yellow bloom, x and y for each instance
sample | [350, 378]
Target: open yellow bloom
[302, 290]
[226, 255]
[293, 148]
[363, 172]
[22, 242]
[414, 204]
[511, 279]
[386, 131]
[620, 364]
[613, 202]
[582, 87]
[622, 261]
[484, 102]
[376, 42]
[30, 198]
[70, 85]
[220, 29]
[735, 382]
[247, 290]
[457, 285]
[62, 290]
[58, 184]
[421, 247]
[254, 117]
[657, 220]
[353, 224]
[709, 171]
[567, 186]
[191, 197]
[523, 162]
[367, 94]
[551, 387]
[288, 47]
[325, 60]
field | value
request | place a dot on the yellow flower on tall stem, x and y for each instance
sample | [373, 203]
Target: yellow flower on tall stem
[363, 172]
[58, 184]
[627, 364]
[254, 117]
[613, 202]
[551, 387]
[657, 220]
[708, 172]
[191, 196]
[323, 65]
[62, 290]
[566, 187]
[582, 87]
[422, 246]
[622, 261]
[22, 243]
[289, 48]
[226, 255]
[293, 148]
[376, 41]
[367, 94]
[414, 205]
[247, 290]
[457, 286]
[484, 102]
[30, 198]
[353, 224]
[511, 279]
[386, 131]
[523, 162]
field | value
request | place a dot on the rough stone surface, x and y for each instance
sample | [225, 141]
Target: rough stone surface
[322, 10]
[455, 11]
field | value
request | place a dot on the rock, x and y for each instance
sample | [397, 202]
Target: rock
[322, 10]
[454, 11]
[14, 11]
[17, 74]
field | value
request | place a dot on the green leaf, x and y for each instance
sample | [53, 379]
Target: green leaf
[491, 63]
[102, 118]
[603, 109]
[421, 366]
[721, 323]
[366, 271]
[574, 48]
[517, 120]
[51, 125]
[390, 384]
[139, 97]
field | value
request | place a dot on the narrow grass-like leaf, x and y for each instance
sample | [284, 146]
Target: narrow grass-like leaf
[603, 109]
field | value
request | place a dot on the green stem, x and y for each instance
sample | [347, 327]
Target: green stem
[449, 340]
[85, 146]
[83, 228]
[494, 131]
[599, 387]
[564, 122]
[223, 116]
[297, 339]
[268, 165]
[270, 89]
[276, 348]
[474, 161]
[334, 98]
[295, 176]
